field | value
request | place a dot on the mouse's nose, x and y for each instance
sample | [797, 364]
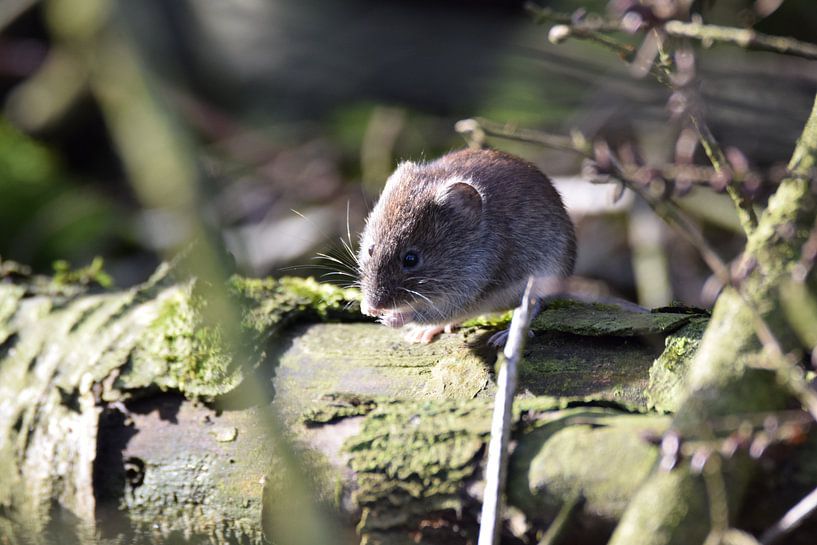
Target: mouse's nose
[375, 303]
[369, 310]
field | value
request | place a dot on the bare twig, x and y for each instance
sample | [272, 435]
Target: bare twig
[497, 466]
[741, 37]
[711, 468]
[743, 206]
[475, 130]
[471, 128]
[12, 9]
[706, 34]
[746, 213]
[557, 527]
[792, 519]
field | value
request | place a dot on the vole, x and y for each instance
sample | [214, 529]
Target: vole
[459, 236]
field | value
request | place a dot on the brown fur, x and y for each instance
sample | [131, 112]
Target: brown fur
[482, 222]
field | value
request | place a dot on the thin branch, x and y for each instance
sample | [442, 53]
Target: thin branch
[480, 127]
[497, 466]
[706, 34]
[743, 206]
[791, 520]
[741, 37]
[557, 527]
[475, 130]
[10, 10]
[716, 492]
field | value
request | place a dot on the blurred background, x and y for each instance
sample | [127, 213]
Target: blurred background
[127, 127]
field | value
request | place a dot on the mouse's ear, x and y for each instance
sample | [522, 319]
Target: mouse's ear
[462, 196]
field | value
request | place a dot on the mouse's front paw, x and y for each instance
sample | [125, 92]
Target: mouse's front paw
[427, 333]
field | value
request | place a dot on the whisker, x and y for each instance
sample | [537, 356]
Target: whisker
[337, 273]
[351, 253]
[416, 294]
[349, 245]
[315, 267]
[335, 260]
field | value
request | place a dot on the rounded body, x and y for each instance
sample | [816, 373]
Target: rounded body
[460, 236]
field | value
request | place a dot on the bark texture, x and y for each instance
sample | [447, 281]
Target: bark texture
[125, 413]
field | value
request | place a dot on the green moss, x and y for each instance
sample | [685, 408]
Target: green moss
[94, 273]
[271, 304]
[490, 320]
[335, 406]
[668, 373]
[600, 368]
[181, 349]
[178, 350]
[411, 456]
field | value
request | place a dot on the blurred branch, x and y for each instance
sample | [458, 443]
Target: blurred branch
[377, 148]
[741, 37]
[475, 130]
[791, 520]
[745, 38]
[10, 10]
[557, 527]
[159, 159]
[645, 232]
[711, 468]
[46, 97]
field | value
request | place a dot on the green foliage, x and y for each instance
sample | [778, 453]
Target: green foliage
[90, 274]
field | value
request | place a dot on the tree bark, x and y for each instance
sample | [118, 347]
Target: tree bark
[125, 413]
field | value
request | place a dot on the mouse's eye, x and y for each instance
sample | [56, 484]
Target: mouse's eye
[410, 260]
[371, 250]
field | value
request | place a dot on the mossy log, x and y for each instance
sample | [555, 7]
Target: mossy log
[124, 415]
[126, 412]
